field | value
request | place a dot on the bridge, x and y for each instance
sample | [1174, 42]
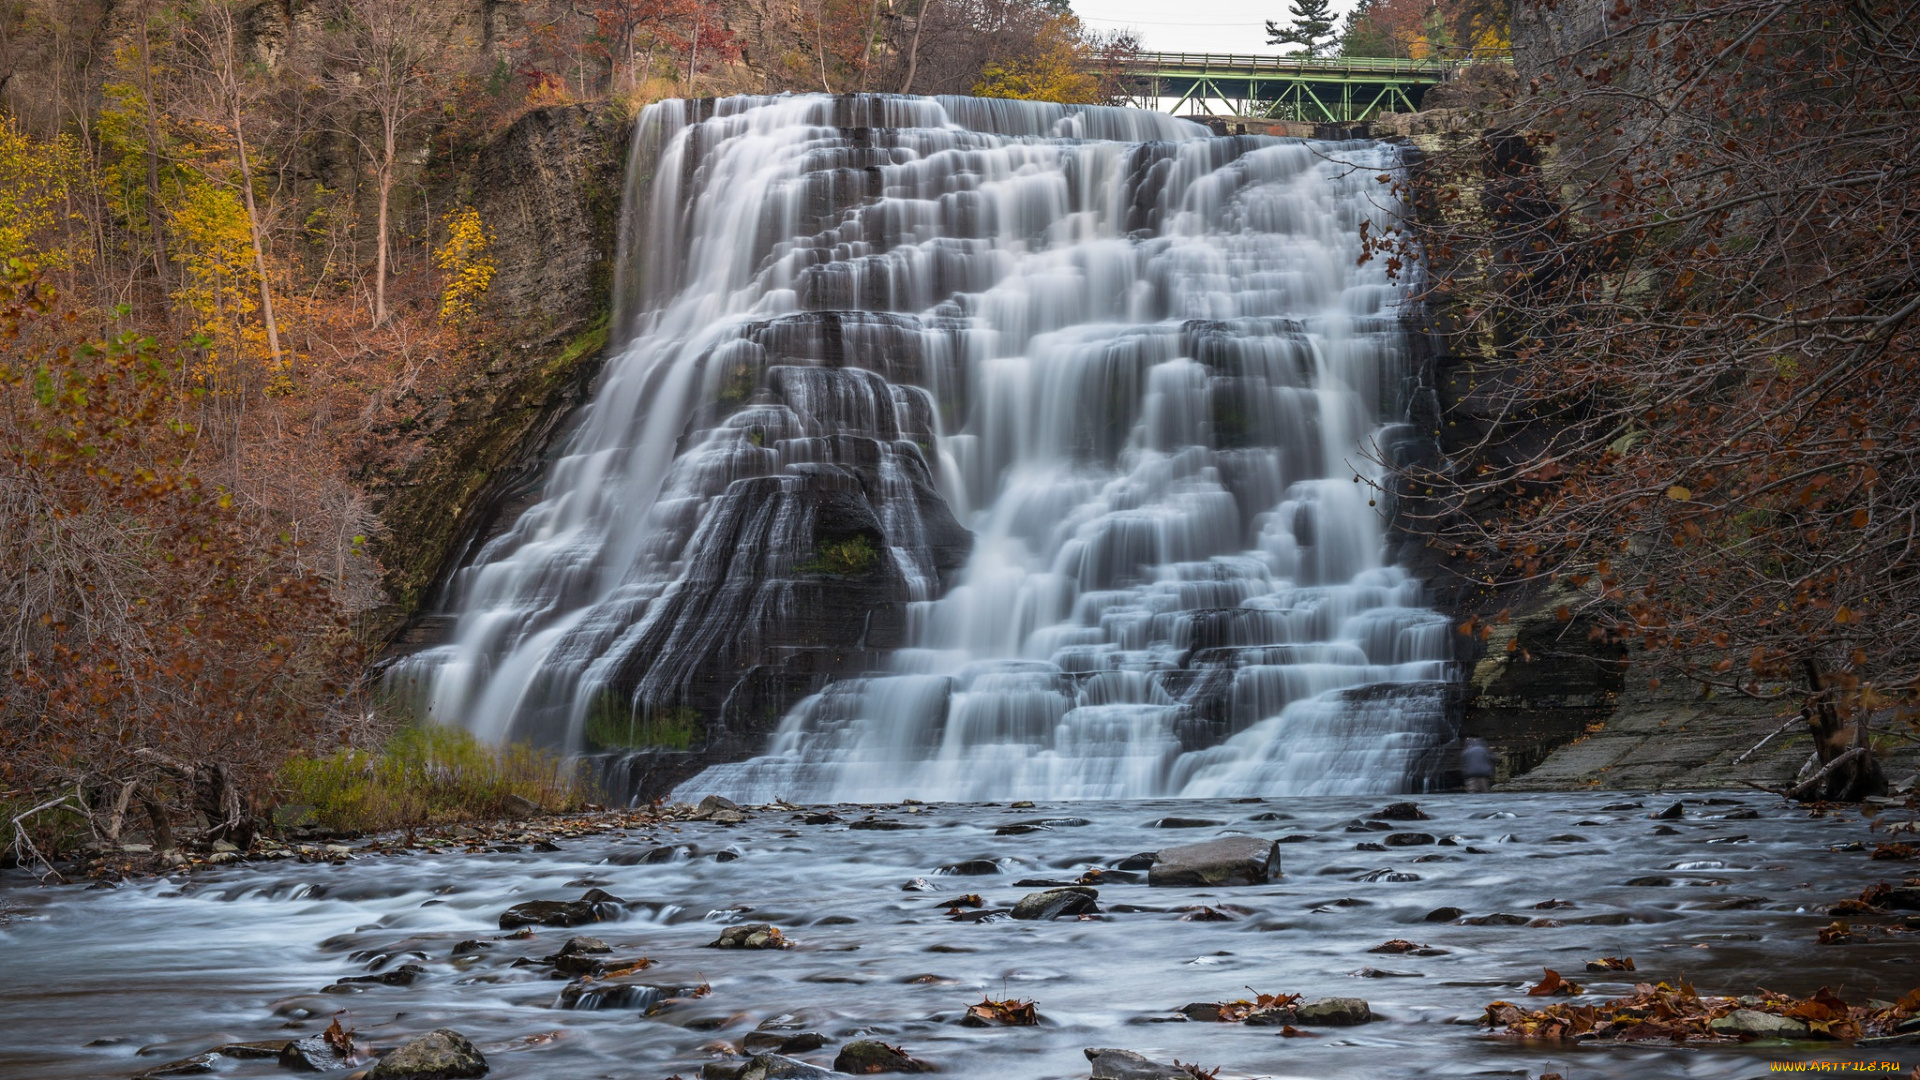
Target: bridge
[1333, 91]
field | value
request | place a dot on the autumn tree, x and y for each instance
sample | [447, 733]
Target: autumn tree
[1690, 253]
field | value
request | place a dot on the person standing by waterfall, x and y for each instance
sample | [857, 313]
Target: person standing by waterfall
[1476, 765]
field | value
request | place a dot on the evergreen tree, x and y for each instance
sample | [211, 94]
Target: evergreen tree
[1312, 27]
[1362, 36]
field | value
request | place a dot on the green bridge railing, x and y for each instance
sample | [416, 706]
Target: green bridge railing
[1340, 90]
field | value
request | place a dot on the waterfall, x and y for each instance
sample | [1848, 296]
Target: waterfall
[965, 449]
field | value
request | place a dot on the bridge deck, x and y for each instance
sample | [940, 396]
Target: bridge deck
[1336, 90]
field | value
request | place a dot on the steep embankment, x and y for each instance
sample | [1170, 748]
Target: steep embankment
[550, 189]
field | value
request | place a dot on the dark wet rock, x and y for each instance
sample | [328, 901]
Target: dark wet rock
[1390, 875]
[1402, 811]
[1747, 814]
[581, 946]
[1905, 898]
[440, 1054]
[1334, 1012]
[1498, 918]
[1444, 914]
[1204, 913]
[1127, 1065]
[1754, 1024]
[311, 1054]
[714, 804]
[1294, 838]
[1203, 1011]
[1623, 806]
[404, 975]
[1365, 845]
[986, 916]
[652, 856]
[261, 1050]
[1097, 875]
[1055, 903]
[970, 868]
[586, 995]
[1230, 860]
[1142, 861]
[1019, 830]
[782, 1042]
[471, 946]
[1380, 973]
[750, 936]
[594, 906]
[864, 1057]
[1661, 881]
[1058, 822]
[1271, 815]
[1671, 813]
[1409, 839]
[1044, 883]
[836, 920]
[826, 817]
[196, 1065]
[764, 1067]
[1665, 830]
[1182, 823]
[882, 825]
[918, 884]
[1567, 838]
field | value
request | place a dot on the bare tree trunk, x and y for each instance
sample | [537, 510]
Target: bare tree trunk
[153, 152]
[384, 182]
[820, 42]
[866, 55]
[694, 53]
[159, 829]
[913, 50]
[232, 78]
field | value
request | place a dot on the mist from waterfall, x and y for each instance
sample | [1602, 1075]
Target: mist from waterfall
[1147, 368]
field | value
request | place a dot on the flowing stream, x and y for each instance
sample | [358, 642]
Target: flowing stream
[973, 449]
[111, 982]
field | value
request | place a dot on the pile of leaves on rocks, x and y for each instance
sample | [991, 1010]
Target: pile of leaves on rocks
[1680, 1014]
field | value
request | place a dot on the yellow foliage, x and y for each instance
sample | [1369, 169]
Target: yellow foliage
[1058, 69]
[219, 285]
[38, 185]
[465, 262]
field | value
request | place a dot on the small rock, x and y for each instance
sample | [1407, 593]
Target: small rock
[713, 804]
[1207, 1012]
[440, 1054]
[866, 1056]
[187, 1066]
[750, 936]
[765, 1067]
[404, 975]
[782, 1042]
[882, 825]
[1127, 1065]
[1054, 903]
[970, 868]
[519, 808]
[579, 946]
[1671, 813]
[727, 817]
[823, 817]
[1019, 830]
[1142, 861]
[266, 1048]
[471, 946]
[1752, 1023]
[1182, 823]
[1409, 839]
[1905, 898]
[1402, 811]
[311, 1054]
[918, 884]
[1334, 1012]
[1230, 860]
[594, 906]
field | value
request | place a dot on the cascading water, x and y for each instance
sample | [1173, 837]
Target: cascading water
[1147, 368]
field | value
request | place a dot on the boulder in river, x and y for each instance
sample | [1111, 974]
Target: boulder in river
[1230, 860]
[1334, 1012]
[595, 906]
[750, 936]
[1127, 1065]
[970, 868]
[1401, 811]
[440, 1054]
[864, 1057]
[312, 1054]
[782, 1042]
[1054, 903]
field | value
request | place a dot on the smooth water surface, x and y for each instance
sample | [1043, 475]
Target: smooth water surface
[240, 952]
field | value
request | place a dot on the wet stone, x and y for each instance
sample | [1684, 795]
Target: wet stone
[196, 1065]
[1056, 903]
[782, 1042]
[1183, 823]
[1127, 1065]
[1231, 860]
[1409, 839]
[1402, 811]
[868, 1056]
[750, 936]
[1334, 1012]
[1142, 861]
[594, 906]
[1753, 1024]
[970, 868]
[441, 1054]
[311, 1054]
[764, 1067]
[1671, 813]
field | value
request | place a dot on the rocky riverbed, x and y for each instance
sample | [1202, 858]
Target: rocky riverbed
[787, 941]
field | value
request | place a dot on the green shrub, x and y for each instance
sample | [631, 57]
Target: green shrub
[846, 558]
[428, 775]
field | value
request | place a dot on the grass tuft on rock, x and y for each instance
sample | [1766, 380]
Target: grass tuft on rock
[429, 775]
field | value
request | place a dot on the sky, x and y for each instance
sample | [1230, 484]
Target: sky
[1217, 26]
